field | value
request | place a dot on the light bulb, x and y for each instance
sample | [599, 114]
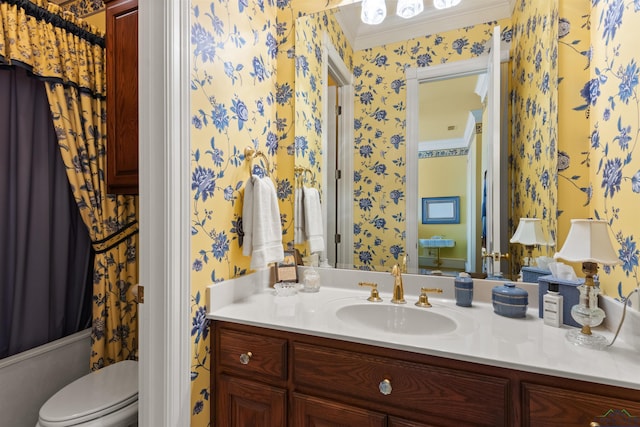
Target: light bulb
[409, 8]
[445, 4]
[373, 11]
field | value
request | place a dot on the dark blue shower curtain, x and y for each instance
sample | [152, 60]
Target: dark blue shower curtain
[45, 250]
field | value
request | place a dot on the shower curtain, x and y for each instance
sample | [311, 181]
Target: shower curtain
[68, 55]
[45, 250]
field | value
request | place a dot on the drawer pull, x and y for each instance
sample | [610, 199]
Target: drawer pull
[385, 387]
[245, 357]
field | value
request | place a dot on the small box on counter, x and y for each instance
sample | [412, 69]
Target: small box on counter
[531, 274]
[569, 291]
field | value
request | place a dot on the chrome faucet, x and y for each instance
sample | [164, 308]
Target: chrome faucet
[398, 289]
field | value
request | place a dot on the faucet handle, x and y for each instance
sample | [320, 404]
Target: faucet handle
[423, 299]
[375, 295]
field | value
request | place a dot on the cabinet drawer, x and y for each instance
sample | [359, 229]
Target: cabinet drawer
[551, 406]
[448, 394]
[267, 355]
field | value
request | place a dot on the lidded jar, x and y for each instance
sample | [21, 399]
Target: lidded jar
[311, 280]
[509, 300]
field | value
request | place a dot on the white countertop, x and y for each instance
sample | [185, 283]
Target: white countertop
[481, 335]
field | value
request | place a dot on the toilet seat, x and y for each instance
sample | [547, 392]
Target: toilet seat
[93, 396]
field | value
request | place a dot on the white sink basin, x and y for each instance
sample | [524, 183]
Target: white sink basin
[397, 319]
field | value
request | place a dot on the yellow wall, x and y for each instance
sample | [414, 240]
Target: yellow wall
[534, 122]
[594, 46]
[97, 20]
[234, 104]
[432, 183]
[614, 126]
[574, 188]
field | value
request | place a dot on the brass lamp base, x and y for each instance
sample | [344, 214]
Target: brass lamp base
[587, 313]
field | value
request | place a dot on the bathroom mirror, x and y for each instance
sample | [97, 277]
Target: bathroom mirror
[316, 142]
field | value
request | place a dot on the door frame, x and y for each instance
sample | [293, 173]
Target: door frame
[344, 186]
[164, 389]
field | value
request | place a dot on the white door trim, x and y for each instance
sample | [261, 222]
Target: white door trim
[344, 78]
[164, 106]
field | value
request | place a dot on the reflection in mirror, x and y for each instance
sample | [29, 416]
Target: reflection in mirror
[373, 159]
[471, 164]
[450, 164]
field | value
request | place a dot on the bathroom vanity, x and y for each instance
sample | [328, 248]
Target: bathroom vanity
[294, 362]
[294, 379]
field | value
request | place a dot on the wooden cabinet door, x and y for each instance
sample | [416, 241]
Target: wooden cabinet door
[122, 96]
[242, 403]
[314, 412]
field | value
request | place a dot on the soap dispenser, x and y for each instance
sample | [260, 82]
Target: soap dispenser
[463, 289]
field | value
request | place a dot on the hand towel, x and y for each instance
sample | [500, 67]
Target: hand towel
[299, 232]
[261, 223]
[313, 219]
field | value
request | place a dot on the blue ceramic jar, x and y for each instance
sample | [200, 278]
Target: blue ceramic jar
[463, 290]
[509, 300]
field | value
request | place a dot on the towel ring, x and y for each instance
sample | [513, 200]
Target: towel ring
[250, 154]
[302, 175]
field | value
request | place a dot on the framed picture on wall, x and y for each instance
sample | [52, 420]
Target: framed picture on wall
[441, 210]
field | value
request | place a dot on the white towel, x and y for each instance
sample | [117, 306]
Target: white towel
[299, 232]
[261, 223]
[313, 219]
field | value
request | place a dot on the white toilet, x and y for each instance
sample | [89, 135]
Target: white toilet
[104, 398]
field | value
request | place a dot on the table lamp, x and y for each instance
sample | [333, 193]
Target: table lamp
[588, 242]
[529, 233]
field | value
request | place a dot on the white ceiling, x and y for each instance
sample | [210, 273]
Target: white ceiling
[431, 20]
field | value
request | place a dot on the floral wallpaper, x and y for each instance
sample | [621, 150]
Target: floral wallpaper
[612, 94]
[82, 8]
[310, 37]
[244, 67]
[380, 134]
[574, 188]
[234, 104]
[534, 118]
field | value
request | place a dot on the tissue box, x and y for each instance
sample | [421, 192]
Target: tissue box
[531, 274]
[570, 296]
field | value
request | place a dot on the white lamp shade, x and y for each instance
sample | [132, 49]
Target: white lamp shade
[373, 12]
[529, 232]
[588, 241]
[444, 4]
[409, 8]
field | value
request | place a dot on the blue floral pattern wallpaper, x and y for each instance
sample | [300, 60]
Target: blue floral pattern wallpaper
[380, 134]
[311, 30]
[234, 99]
[612, 96]
[243, 82]
[534, 119]
[574, 187]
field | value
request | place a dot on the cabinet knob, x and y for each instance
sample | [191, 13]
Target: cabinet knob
[245, 357]
[385, 387]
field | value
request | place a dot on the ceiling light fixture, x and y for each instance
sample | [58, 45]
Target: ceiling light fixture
[409, 8]
[373, 11]
[445, 4]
